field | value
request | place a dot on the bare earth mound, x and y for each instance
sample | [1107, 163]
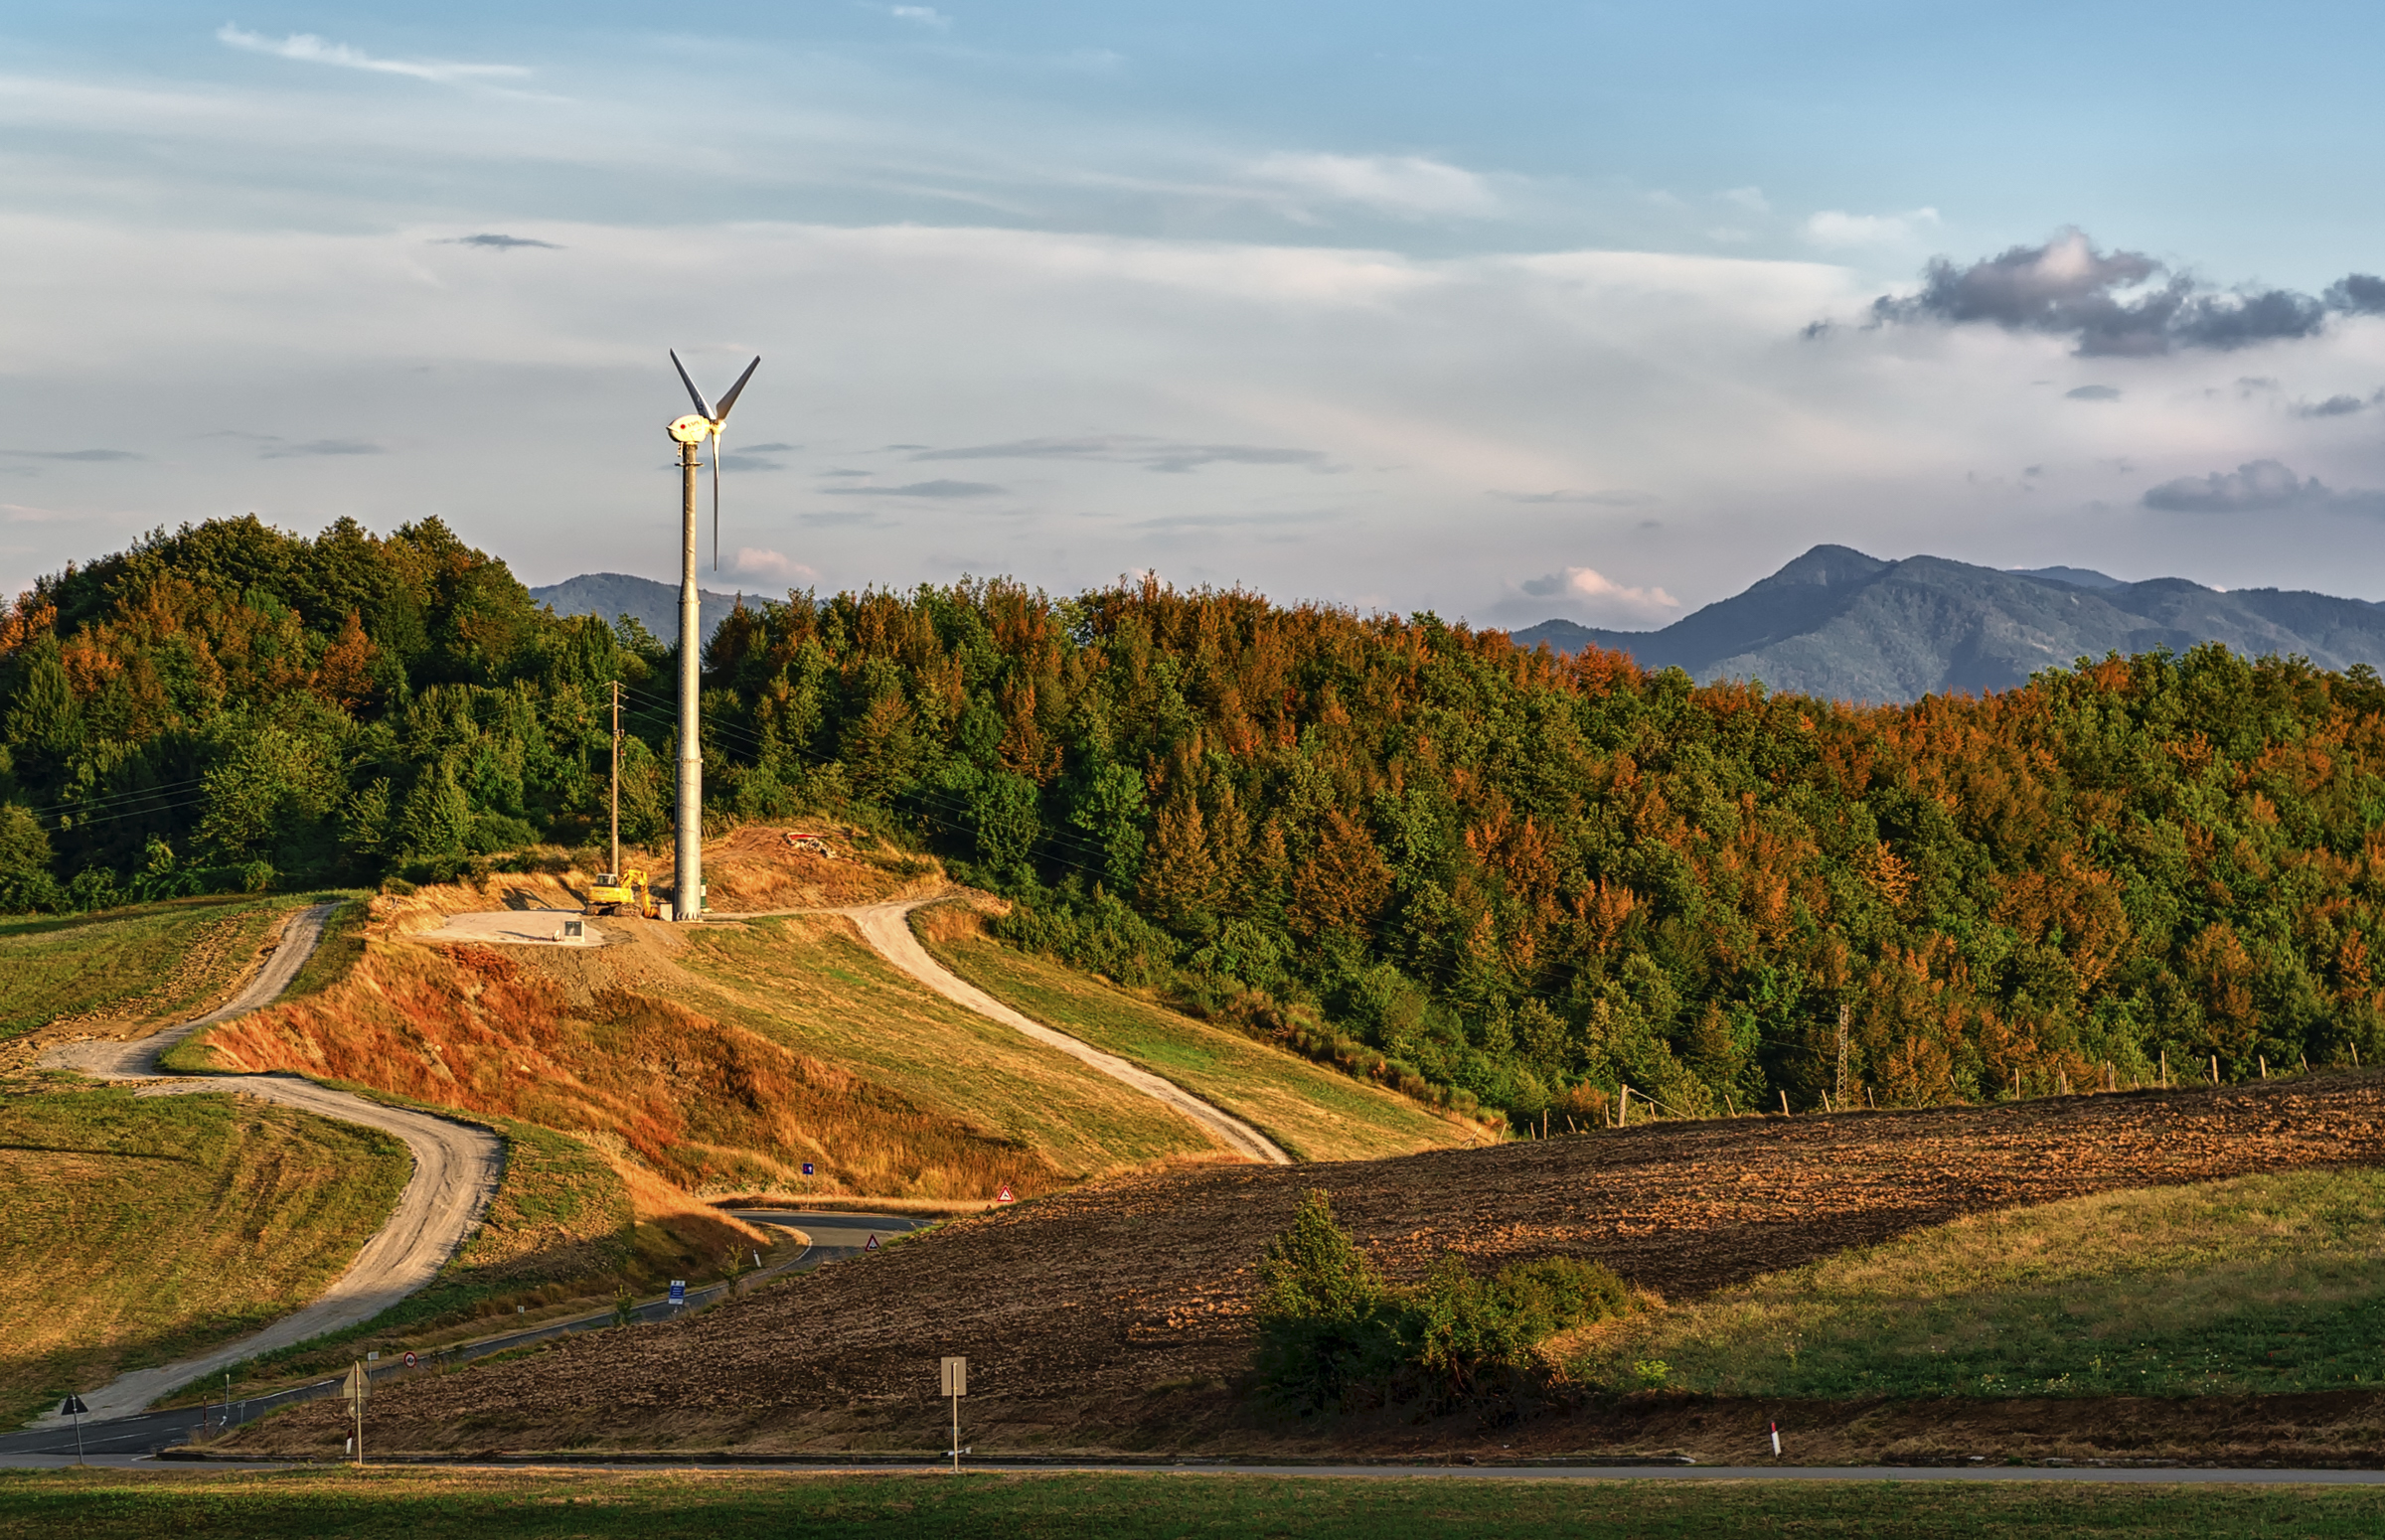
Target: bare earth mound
[1115, 1316]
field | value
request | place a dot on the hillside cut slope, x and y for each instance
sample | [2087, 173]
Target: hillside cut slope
[1116, 1317]
[1842, 625]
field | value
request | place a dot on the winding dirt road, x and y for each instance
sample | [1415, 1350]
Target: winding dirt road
[887, 928]
[456, 1169]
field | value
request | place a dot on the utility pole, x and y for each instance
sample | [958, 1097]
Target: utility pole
[1838, 1091]
[687, 873]
[616, 867]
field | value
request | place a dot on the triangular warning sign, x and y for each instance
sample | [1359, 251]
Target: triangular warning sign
[872, 1246]
[1003, 1196]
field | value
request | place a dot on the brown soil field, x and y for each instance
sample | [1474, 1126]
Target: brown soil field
[1115, 1316]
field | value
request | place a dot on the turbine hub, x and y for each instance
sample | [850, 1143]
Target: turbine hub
[689, 429]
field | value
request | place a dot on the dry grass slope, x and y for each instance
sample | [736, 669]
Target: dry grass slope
[120, 973]
[1312, 1111]
[138, 1230]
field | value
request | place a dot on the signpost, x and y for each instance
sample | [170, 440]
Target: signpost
[353, 1390]
[956, 1385]
[73, 1407]
[679, 1293]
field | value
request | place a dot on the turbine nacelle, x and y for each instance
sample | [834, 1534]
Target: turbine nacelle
[707, 420]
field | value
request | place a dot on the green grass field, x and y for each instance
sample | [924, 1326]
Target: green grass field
[686, 1505]
[1314, 1113]
[2261, 1284]
[152, 964]
[134, 1231]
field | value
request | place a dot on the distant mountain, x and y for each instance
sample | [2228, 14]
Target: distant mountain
[1839, 623]
[611, 595]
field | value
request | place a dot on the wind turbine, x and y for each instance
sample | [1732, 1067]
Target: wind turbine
[687, 878]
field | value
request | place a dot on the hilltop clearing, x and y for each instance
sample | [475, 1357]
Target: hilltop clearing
[1116, 1316]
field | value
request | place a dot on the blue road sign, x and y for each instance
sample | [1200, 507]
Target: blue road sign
[679, 1290]
[807, 1168]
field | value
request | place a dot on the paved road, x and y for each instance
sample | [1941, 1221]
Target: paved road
[456, 1169]
[2097, 1476]
[831, 1236]
[887, 928]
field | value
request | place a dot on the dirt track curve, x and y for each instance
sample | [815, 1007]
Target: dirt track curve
[456, 1167]
[887, 928]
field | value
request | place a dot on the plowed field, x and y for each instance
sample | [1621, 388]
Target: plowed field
[1113, 1315]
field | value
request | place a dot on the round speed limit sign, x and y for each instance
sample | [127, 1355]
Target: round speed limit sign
[409, 1360]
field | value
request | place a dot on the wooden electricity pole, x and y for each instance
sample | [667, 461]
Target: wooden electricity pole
[617, 866]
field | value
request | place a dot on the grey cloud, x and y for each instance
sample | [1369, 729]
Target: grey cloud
[750, 462]
[2092, 393]
[920, 489]
[1618, 499]
[277, 450]
[2332, 406]
[1157, 454]
[500, 242]
[2357, 294]
[2258, 486]
[86, 455]
[841, 516]
[2117, 304]
[773, 449]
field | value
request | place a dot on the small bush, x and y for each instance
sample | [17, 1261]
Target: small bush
[1333, 1336]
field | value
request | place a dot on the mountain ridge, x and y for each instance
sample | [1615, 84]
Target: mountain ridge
[1837, 623]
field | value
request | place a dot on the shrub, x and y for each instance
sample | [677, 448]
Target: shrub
[1333, 1336]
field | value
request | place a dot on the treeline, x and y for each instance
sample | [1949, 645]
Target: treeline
[1524, 879]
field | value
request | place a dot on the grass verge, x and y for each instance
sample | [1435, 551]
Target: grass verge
[2255, 1286]
[159, 963]
[1314, 1113]
[136, 1231]
[682, 1506]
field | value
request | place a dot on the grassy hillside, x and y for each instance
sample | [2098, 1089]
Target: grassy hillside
[127, 968]
[1313, 1113]
[2255, 1286]
[141, 1230]
[714, 1061]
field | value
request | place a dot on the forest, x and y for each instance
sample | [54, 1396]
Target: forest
[1500, 879]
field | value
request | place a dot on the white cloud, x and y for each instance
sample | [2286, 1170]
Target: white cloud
[1581, 584]
[1834, 228]
[306, 47]
[1405, 185]
[921, 15]
[1751, 199]
[750, 561]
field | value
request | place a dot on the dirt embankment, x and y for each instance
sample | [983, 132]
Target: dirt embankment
[1115, 1317]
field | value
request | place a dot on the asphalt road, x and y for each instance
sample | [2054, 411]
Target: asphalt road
[2169, 1475]
[832, 1236]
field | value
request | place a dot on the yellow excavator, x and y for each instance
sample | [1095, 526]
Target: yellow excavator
[623, 892]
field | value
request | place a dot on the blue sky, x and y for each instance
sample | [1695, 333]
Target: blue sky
[1503, 310]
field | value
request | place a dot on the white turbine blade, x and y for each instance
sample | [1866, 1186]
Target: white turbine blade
[716, 492]
[730, 400]
[703, 408]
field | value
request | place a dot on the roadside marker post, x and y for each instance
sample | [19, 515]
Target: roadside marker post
[355, 1389]
[1776, 1440]
[75, 1407]
[956, 1385]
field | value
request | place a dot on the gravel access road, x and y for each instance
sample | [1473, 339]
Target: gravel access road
[456, 1169]
[887, 928]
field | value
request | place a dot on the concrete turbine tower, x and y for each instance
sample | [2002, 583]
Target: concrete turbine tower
[687, 877]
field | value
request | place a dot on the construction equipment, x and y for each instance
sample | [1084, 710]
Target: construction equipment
[623, 892]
